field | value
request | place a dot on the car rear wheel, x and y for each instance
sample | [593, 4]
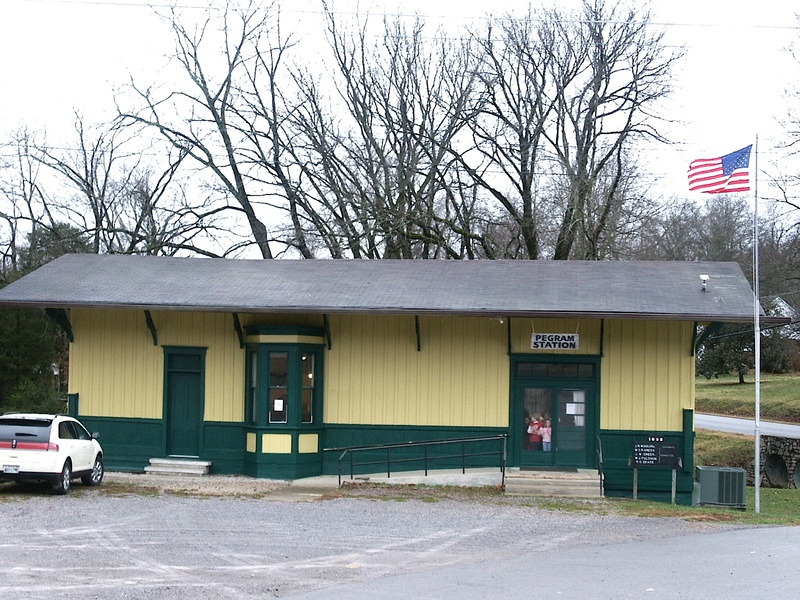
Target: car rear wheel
[62, 484]
[96, 476]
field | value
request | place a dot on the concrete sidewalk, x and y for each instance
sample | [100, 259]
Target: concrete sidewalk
[454, 477]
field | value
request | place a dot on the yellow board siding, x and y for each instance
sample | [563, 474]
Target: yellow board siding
[114, 366]
[308, 443]
[647, 375]
[118, 371]
[375, 375]
[276, 443]
[224, 399]
[587, 329]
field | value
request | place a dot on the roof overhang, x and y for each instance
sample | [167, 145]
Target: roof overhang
[558, 289]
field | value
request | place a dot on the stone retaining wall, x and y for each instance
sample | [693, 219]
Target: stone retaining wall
[779, 463]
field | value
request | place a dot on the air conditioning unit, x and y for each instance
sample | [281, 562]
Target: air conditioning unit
[720, 486]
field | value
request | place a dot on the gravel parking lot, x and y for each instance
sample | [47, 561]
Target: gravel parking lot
[241, 538]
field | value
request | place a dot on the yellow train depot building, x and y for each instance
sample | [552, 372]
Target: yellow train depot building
[262, 366]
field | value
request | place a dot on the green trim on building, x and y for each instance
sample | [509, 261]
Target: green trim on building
[339, 437]
[288, 330]
[655, 483]
[130, 443]
[554, 372]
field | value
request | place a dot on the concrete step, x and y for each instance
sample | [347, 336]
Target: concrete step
[581, 483]
[178, 466]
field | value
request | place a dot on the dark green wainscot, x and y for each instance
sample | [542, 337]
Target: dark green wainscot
[465, 452]
[282, 454]
[654, 482]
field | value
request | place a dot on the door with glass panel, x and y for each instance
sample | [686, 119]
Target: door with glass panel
[554, 415]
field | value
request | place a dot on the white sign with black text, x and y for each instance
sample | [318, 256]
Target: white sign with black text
[555, 341]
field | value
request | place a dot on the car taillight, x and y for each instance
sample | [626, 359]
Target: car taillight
[29, 445]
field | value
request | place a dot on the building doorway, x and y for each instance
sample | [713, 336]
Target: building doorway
[184, 394]
[554, 412]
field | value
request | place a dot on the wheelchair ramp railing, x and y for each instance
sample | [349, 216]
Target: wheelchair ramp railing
[428, 454]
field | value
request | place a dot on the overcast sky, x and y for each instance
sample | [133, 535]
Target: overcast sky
[61, 55]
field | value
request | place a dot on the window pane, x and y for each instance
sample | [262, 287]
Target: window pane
[571, 420]
[538, 403]
[278, 369]
[80, 431]
[253, 388]
[571, 370]
[307, 371]
[308, 405]
[531, 369]
[277, 405]
[555, 370]
[278, 380]
[307, 367]
[65, 431]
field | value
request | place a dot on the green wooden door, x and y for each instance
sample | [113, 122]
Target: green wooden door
[554, 412]
[184, 391]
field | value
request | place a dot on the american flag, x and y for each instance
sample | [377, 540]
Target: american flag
[729, 173]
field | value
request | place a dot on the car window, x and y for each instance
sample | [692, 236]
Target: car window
[65, 431]
[80, 431]
[28, 429]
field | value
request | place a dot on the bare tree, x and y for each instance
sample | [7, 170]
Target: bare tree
[607, 102]
[565, 97]
[27, 209]
[380, 182]
[112, 199]
[90, 168]
[508, 135]
[203, 119]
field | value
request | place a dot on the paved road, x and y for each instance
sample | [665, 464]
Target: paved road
[746, 426]
[749, 564]
[94, 545]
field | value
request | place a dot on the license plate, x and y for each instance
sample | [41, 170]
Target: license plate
[10, 468]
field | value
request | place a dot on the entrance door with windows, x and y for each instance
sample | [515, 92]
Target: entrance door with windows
[554, 412]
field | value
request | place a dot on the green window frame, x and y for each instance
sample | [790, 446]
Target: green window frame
[284, 386]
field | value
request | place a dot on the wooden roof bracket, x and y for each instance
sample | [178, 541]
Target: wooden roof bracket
[602, 335]
[419, 336]
[59, 317]
[238, 327]
[327, 324]
[151, 326]
[510, 346]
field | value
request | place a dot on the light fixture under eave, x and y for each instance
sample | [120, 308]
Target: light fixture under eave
[704, 279]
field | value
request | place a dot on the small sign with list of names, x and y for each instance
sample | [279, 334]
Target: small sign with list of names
[655, 452]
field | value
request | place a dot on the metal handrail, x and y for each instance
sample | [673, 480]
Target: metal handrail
[600, 467]
[463, 455]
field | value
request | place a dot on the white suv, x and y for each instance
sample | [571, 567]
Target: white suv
[49, 448]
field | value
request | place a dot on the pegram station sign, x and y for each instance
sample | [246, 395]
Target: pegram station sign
[555, 341]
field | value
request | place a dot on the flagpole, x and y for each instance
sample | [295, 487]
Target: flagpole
[757, 346]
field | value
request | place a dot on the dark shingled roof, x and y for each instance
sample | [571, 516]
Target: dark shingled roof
[658, 290]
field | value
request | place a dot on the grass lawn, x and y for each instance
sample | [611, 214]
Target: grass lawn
[780, 401]
[780, 397]
[778, 507]
[719, 449]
